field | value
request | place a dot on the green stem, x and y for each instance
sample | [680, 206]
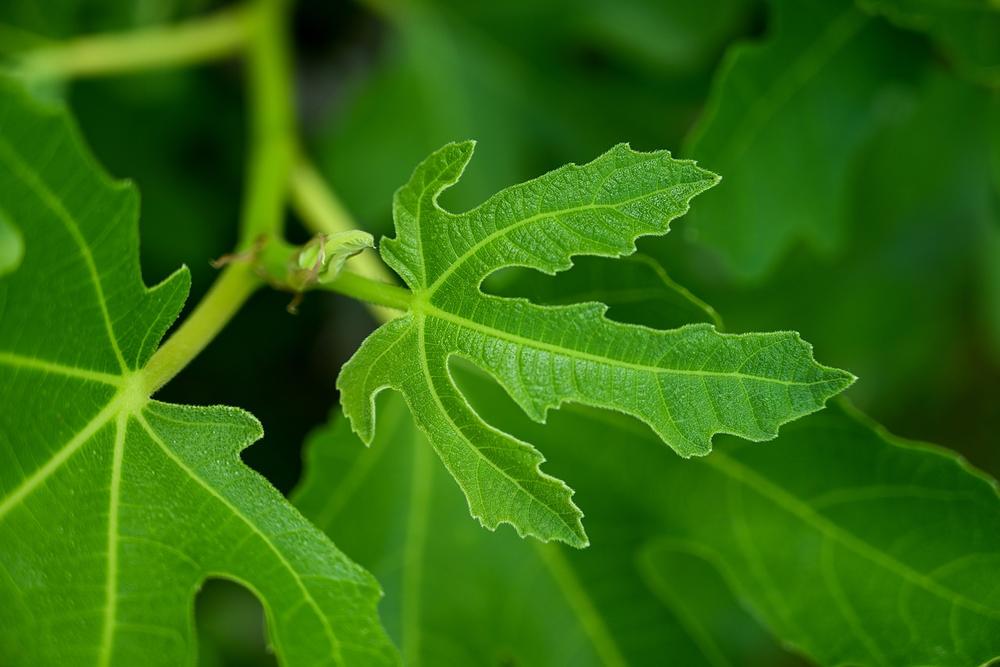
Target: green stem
[217, 36]
[272, 149]
[320, 208]
[322, 212]
[231, 290]
[272, 132]
[370, 291]
[270, 175]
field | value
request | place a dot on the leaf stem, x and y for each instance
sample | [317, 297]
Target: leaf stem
[371, 291]
[272, 131]
[317, 203]
[199, 40]
[226, 296]
[322, 212]
[272, 173]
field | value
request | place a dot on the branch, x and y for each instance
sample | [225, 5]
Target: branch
[323, 213]
[272, 131]
[199, 40]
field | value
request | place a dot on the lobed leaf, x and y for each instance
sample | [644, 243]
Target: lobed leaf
[114, 508]
[688, 384]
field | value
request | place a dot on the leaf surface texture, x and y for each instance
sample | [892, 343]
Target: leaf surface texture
[115, 508]
[687, 384]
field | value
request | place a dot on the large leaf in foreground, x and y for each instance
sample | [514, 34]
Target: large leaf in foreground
[687, 384]
[115, 508]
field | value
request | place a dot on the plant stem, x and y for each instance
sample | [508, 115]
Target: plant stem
[371, 291]
[271, 152]
[195, 41]
[234, 286]
[322, 211]
[261, 29]
[272, 132]
[317, 203]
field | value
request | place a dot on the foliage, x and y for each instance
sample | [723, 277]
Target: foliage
[967, 32]
[859, 145]
[116, 507]
[705, 382]
[863, 585]
[820, 60]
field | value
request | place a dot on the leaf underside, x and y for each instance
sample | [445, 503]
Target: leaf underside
[687, 384]
[115, 508]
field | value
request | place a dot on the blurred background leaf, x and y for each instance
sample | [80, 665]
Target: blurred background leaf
[563, 86]
[967, 31]
[783, 123]
[904, 304]
[457, 594]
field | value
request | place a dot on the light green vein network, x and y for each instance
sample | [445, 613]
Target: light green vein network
[688, 383]
[115, 508]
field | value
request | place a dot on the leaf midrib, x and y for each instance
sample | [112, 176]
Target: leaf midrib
[503, 231]
[16, 360]
[430, 310]
[106, 647]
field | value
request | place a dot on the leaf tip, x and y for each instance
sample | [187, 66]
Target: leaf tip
[362, 425]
